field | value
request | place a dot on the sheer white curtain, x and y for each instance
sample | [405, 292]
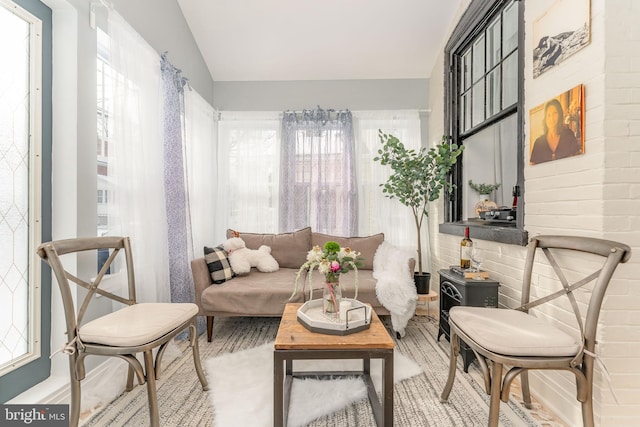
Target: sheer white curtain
[201, 165]
[135, 164]
[248, 173]
[377, 213]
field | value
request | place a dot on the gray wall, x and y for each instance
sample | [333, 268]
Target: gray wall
[162, 25]
[398, 94]
[338, 94]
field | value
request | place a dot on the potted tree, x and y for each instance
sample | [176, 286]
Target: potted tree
[417, 178]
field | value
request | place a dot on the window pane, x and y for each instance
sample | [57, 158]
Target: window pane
[510, 80]
[104, 108]
[478, 58]
[489, 158]
[466, 70]
[15, 168]
[493, 92]
[510, 28]
[493, 43]
[465, 114]
[478, 103]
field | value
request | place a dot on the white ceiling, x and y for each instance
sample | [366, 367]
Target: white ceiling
[261, 40]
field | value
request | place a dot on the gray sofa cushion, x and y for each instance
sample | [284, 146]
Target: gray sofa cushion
[365, 245]
[289, 249]
[254, 294]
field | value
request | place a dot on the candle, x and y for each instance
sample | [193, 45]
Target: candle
[344, 306]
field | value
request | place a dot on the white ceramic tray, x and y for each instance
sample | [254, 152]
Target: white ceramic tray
[358, 318]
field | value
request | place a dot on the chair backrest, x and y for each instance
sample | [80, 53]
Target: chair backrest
[555, 247]
[51, 253]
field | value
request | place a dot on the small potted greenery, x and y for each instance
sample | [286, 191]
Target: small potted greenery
[483, 189]
[417, 178]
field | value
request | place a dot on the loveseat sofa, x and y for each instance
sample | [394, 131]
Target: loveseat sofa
[266, 294]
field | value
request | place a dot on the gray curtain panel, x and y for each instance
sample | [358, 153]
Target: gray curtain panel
[176, 194]
[317, 172]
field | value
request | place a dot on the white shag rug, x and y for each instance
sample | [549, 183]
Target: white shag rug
[242, 387]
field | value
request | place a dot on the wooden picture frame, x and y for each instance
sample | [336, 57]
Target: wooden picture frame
[557, 127]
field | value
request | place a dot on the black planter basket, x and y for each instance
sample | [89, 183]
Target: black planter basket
[422, 282]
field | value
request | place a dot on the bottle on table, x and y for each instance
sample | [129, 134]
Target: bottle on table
[466, 248]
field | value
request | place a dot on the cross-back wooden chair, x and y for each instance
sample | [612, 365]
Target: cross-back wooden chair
[136, 328]
[523, 342]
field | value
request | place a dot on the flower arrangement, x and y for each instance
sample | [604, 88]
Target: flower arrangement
[484, 189]
[332, 260]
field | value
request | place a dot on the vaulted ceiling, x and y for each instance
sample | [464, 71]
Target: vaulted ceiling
[266, 40]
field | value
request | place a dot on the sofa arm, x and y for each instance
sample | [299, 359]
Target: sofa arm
[201, 279]
[412, 266]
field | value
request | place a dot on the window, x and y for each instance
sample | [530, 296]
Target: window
[317, 172]
[249, 159]
[25, 191]
[484, 69]
[104, 108]
[248, 162]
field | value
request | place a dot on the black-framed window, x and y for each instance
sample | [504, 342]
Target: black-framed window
[484, 101]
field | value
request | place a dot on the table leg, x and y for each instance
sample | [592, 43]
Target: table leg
[288, 382]
[278, 383]
[387, 390]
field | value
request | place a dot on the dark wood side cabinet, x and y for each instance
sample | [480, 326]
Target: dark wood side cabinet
[456, 290]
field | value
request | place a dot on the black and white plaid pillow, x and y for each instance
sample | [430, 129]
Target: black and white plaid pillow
[218, 263]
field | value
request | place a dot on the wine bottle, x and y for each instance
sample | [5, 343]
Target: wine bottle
[466, 246]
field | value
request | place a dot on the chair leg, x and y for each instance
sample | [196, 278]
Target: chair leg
[74, 409]
[496, 387]
[209, 328]
[193, 341]
[453, 359]
[526, 394]
[129, 385]
[587, 413]
[586, 388]
[150, 374]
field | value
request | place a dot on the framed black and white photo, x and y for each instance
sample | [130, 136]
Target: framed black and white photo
[561, 31]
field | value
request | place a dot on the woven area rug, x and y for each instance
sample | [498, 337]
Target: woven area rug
[416, 400]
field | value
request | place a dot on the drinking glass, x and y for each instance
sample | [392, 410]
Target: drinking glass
[477, 258]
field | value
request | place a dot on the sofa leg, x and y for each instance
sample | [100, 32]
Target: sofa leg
[209, 328]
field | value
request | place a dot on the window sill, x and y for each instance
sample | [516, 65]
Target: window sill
[494, 233]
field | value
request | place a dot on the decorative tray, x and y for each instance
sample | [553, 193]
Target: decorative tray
[358, 318]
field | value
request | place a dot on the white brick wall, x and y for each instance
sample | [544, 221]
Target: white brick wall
[596, 194]
[620, 337]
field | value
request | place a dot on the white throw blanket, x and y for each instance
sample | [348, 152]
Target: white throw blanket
[395, 287]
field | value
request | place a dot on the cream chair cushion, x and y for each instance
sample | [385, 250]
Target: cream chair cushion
[137, 324]
[513, 332]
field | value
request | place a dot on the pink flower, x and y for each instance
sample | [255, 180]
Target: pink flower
[335, 266]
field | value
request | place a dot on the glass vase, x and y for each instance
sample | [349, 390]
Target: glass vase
[331, 297]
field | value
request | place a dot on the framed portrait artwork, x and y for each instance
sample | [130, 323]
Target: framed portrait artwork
[557, 127]
[561, 31]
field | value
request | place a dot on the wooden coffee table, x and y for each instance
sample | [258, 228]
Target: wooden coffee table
[295, 342]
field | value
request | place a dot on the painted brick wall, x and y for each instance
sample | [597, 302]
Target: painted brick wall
[596, 194]
[620, 334]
